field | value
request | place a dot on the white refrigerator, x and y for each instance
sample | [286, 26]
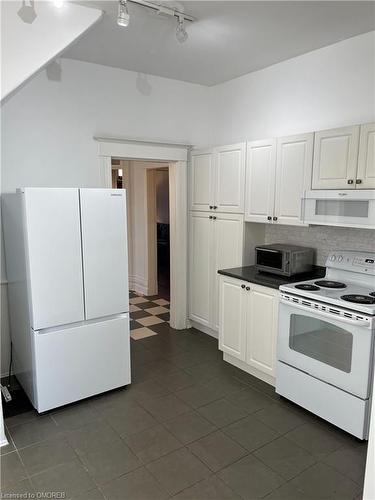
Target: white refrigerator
[67, 269]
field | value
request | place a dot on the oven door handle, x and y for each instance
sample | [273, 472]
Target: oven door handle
[341, 319]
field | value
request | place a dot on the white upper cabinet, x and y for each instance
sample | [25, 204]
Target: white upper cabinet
[218, 179]
[335, 158]
[366, 158]
[260, 180]
[202, 180]
[230, 178]
[293, 176]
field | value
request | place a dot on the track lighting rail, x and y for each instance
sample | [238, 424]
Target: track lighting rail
[162, 9]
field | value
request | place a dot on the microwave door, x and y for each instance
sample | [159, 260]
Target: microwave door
[270, 259]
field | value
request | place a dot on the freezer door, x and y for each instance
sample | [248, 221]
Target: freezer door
[105, 251]
[53, 239]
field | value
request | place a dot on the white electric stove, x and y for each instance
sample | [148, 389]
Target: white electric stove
[326, 341]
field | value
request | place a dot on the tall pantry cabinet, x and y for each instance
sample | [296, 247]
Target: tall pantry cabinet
[216, 226]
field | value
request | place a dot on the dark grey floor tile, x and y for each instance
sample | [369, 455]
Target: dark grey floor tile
[148, 389]
[130, 421]
[176, 381]
[226, 384]
[113, 402]
[137, 485]
[250, 478]
[198, 395]
[288, 492]
[133, 326]
[320, 440]
[94, 494]
[217, 450]
[42, 456]
[110, 461]
[206, 371]
[211, 488]
[222, 412]
[285, 457]
[183, 360]
[350, 461]
[20, 489]
[189, 427]
[250, 433]
[75, 416]
[92, 436]
[34, 431]
[259, 385]
[166, 407]
[21, 418]
[152, 443]
[12, 470]
[280, 418]
[71, 479]
[321, 481]
[178, 470]
[250, 400]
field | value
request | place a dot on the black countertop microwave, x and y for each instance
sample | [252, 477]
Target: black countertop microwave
[284, 260]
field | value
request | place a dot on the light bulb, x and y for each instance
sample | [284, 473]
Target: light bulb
[181, 33]
[123, 17]
[58, 3]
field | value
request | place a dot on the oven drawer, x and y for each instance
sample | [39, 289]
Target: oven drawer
[338, 407]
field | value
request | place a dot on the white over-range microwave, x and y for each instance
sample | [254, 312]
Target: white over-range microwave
[340, 208]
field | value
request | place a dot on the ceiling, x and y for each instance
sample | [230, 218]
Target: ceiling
[229, 38]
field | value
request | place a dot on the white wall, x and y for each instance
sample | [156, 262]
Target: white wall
[48, 126]
[326, 88]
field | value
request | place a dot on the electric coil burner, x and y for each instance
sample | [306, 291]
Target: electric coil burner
[330, 284]
[310, 288]
[359, 299]
[372, 294]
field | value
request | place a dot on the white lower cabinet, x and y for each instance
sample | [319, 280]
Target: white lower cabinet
[248, 325]
[216, 242]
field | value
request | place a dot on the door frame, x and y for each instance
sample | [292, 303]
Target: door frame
[176, 155]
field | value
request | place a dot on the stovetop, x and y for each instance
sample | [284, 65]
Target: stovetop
[349, 282]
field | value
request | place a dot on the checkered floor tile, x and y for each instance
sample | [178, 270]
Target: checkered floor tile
[146, 312]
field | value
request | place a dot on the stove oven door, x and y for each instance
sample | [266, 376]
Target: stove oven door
[335, 350]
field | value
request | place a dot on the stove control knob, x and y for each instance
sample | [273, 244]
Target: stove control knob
[340, 258]
[333, 258]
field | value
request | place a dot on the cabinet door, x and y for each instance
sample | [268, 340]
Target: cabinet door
[293, 176]
[232, 338]
[202, 180]
[260, 180]
[366, 159]
[230, 178]
[262, 323]
[335, 158]
[200, 266]
[227, 252]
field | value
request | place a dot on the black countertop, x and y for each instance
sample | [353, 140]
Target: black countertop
[252, 275]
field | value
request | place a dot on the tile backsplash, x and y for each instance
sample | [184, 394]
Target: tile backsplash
[323, 238]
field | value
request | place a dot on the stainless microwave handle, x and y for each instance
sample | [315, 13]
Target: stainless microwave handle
[326, 314]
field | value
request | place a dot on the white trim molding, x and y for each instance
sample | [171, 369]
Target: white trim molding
[176, 155]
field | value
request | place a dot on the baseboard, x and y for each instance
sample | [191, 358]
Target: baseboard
[138, 285]
[249, 369]
[204, 329]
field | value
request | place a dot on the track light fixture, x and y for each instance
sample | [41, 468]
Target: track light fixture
[181, 33]
[123, 17]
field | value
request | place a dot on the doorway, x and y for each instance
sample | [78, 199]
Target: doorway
[175, 156]
[148, 215]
